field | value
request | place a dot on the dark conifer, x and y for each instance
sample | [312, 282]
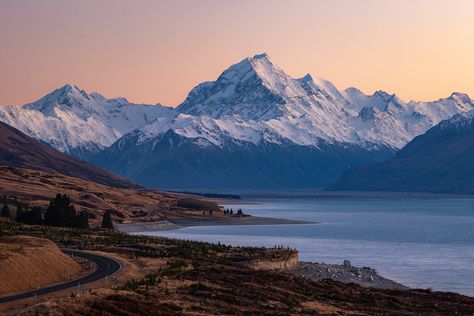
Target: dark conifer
[83, 220]
[37, 215]
[6, 211]
[107, 220]
[20, 213]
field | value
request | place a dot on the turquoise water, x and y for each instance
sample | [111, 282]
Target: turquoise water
[424, 243]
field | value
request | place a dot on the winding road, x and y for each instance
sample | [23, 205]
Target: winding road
[105, 267]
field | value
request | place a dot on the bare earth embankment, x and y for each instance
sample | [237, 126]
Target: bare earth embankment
[26, 262]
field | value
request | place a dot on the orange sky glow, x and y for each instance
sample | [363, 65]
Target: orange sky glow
[156, 51]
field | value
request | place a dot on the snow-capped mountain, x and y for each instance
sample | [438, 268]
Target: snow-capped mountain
[257, 126]
[237, 125]
[438, 161]
[78, 123]
[256, 100]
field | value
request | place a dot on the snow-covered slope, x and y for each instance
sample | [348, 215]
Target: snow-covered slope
[252, 101]
[78, 123]
[254, 109]
[385, 118]
[439, 161]
[256, 100]
[255, 126]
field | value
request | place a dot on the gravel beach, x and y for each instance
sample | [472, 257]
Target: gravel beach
[345, 273]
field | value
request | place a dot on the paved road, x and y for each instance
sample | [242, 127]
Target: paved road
[105, 267]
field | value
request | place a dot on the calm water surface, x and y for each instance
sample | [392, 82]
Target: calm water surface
[420, 242]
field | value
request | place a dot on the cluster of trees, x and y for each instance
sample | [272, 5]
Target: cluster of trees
[60, 213]
[29, 216]
[24, 214]
[231, 211]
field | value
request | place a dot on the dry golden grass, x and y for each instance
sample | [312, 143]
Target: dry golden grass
[39, 187]
[26, 262]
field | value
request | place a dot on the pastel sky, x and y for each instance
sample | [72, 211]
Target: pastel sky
[156, 51]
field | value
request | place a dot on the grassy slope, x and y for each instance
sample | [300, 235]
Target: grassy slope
[26, 262]
[202, 279]
[21, 151]
[38, 187]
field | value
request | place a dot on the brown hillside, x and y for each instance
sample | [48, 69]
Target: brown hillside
[39, 187]
[20, 150]
[26, 262]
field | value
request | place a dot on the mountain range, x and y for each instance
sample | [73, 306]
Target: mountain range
[438, 161]
[78, 123]
[255, 126]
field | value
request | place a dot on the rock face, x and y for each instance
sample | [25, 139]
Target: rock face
[438, 161]
[280, 264]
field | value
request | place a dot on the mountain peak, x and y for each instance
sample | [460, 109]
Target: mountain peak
[261, 56]
[382, 94]
[353, 90]
[462, 97]
[67, 95]
[307, 78]
[69, 88]
[253, 88]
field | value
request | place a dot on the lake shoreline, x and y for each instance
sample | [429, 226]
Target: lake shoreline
[366, 277]
[177, 223]
[345, 273]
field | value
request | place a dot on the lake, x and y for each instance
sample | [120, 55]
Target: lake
[423, 242]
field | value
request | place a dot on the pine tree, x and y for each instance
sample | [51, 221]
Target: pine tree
[83, 220]
[6, 211]
[107, 220]
[53, 215]
[20, 213]
[37, 215]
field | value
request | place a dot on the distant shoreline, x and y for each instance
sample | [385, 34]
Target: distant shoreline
[177, 223]
[318, 193]
[311, 270]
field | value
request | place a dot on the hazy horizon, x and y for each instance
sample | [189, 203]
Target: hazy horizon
[157, 51]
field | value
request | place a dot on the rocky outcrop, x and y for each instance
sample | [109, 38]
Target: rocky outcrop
[276, 264]
[345, 273]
